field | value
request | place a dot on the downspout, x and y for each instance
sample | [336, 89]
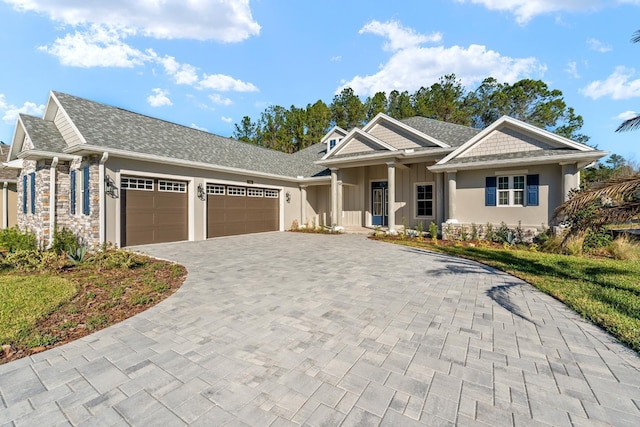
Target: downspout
[101, 192]
[5, 207]
[52, 200]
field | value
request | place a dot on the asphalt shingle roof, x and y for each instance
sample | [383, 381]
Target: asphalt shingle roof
[44, 134]
[522, 155]
[111, 127]
[6, 173]
[449, 133]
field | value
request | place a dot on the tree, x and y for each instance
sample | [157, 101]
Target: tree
[246, 132]
[375, 105]
[443, 101]
[318, 121]
[634, 122]
[399, 106]
[271, 131]
[347, 111]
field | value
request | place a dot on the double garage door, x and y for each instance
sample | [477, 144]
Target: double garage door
[157, 210]
[233, 209]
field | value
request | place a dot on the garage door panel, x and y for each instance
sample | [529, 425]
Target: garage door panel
[152, 216]
[229, 215]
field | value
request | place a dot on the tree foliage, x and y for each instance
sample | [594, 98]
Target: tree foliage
[531, 101]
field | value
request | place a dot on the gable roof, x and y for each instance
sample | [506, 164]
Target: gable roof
[449, 133]
[44, 134]
[6, 174]
[119, 129]
[554, 146]
[381, 117]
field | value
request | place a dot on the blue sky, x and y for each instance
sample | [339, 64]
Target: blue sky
[208, 63]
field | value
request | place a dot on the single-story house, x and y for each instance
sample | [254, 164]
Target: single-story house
[112, 175]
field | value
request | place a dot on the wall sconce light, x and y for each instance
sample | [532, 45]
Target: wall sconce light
[288, 197]
[110, 187]
[201, 194]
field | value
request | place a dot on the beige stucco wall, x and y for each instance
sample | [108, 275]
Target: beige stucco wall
[12, 205]
[117, 166]
[470, 198]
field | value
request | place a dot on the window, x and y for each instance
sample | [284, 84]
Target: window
[272, 194]
[32, 175]
[72, 190]
[172, 186]
[424, 200]
[86, 202]
[216, 189]
[332, 143]
[510, 190]
[236, 191]
[24, 194]
[255, 192]
[136, 184]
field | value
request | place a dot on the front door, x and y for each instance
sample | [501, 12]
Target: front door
[379, 203]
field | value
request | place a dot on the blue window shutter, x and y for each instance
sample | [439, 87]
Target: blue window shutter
[24, 194]
[532, 190]
[490, 191]
[86, 206]
[33, 192]
[72, 184]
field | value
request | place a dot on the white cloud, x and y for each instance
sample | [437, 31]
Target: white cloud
[10, 112]
[183, 74]
[626, 115]
[195, 126]
[398, 37]
[220, 100]
[226, 119]
[223, 20]
[160, 98]
[598, 46]
[619, 85]
[97, 47]
[224, 83]
[414, 66]
[572, 69]
[525, 10]
[336, 58]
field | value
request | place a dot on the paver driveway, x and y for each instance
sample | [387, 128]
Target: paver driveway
[283, 329]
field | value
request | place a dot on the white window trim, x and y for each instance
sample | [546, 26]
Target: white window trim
[212, 189]
[415, 200]
[511, 191]
[137, 180]
[172, 186]
[271, 193]
[236, 191]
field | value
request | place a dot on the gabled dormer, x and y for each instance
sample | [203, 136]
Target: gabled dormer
[333, 137]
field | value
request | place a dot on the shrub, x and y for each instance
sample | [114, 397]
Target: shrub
[117, 258]
[474, 232]
[596, 239]
[420, 230]
[13, 239]
[63, 240]
[490, 234]
[504, 235]
[433, 232]
[294, 225]
[33, 260]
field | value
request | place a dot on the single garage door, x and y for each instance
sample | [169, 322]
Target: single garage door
[232, 209]
[153, 211]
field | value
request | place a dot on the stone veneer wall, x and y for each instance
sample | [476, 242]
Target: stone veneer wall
[38, 222]
[452, 231]
[86, 227]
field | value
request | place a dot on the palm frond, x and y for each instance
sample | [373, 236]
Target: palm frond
[618, 201]
[629, 124]
[636, 37]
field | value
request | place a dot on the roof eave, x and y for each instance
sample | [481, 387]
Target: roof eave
[42, 154]
[584, 156]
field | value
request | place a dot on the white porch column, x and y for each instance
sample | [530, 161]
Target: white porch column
[391, 185]
[451, 176]
[5, 207]
[303, 204]
[439, 199]
[340, 200]
[568, 179]
[334, 197]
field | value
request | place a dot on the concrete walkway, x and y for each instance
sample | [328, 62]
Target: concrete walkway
[285, 329]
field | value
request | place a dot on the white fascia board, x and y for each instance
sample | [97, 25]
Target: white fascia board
[41, 154]
[383, 117]
[171, 161]
[73, 125]
[19, 132]
[13, 164]
[573, 158]
[49, 112]
[352, 135]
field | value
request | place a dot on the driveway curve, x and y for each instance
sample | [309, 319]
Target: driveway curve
[285, 329]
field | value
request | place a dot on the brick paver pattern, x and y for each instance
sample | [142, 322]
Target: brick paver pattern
[282, 329]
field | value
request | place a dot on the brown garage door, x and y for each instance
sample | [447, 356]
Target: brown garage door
[240, 210]
[153, 211]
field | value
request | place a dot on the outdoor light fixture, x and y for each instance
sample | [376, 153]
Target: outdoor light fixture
[201, 194]
[288, 197]
[110, 187]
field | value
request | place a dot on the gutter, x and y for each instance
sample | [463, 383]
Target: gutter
[5, 207]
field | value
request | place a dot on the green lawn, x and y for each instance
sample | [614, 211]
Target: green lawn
[605, 291]
[25, 299]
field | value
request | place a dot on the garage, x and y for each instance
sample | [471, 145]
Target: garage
[153, 211]
[233, 209]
